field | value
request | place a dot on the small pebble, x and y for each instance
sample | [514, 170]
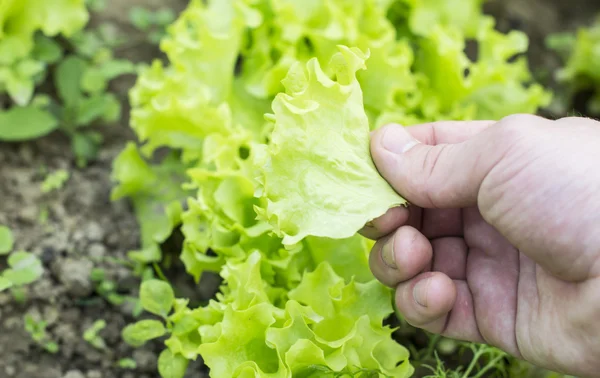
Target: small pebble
[10, 370]
[75, 275]
[145, 360]
[96, 251]
[74, 374]
[94, 232]
[94, 374]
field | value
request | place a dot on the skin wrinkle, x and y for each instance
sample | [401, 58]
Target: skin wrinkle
[461, 311]
[494, 315]
[391, 243]
[581, 334]
[488, 184]
[595, 268]
[520, 174]
[430, 167]
[523, 334]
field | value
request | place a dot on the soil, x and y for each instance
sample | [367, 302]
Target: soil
[85, 230]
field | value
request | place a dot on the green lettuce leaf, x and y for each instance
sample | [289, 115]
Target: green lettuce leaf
[273, 203]
[318, 175]
[325, 322]
[580, 51]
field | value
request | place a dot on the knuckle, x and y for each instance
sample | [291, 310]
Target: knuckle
[521, 120]
[578, 120]
[516, 130]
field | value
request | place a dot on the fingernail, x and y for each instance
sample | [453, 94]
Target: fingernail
[370, 224]
[397, 140]
[387, 254]
[420, 292]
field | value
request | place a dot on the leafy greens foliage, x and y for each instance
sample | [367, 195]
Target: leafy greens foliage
[22, 269]
[319, 178]
[273, 203]
[6, 240]
[37, 330]
[45, 41]
[581, 52]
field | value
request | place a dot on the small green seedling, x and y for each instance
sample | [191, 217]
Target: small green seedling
[84, 99]
[6, 240]
[96, 5]
[81, 80]
[107, 289]
[153, 23]
[55, 181]
[24, 268]
[156, 297]
[37, 331]
[127, 363]
[91, 334]
[485, 360]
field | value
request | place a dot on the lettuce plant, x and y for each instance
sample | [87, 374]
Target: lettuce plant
[265, 107]
[580, 51]
[43, 41]
[27, 49]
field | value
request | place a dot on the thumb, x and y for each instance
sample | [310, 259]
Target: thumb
[441, 175]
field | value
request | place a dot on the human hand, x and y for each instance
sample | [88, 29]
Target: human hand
[501, 243]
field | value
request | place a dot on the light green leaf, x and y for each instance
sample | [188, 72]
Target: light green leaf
[85, 146]
[318, 175]
[137, 334]
[20, 89]
[349, 258]
[241, 344]
[170, 365]
[164, 16]
[141, 18]
[24, 123]
[60, 16]
[25, 268]
[68, 79]
[117, 67]
[93, 81]
[157, 194]
[157, 297]
[55, 180]
[127, 363]
[5, 283]
[147, 255]
[87, 43]
[28, 68]
[102, 105]
[6, 240]
[46, 50]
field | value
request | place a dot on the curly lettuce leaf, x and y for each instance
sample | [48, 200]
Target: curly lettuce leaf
[318, 176]
[349, 258]
[464, 15]
[179, 105]
[580, 51]
[265, 335]
[298, 298]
